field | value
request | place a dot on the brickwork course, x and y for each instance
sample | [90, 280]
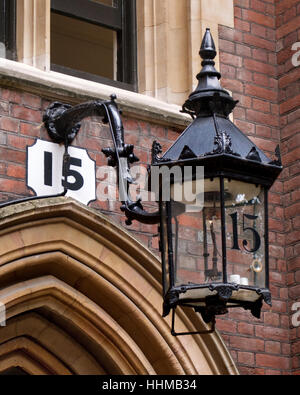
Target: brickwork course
[256, 66]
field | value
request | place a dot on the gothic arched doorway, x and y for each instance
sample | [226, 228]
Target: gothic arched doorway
[82, 296]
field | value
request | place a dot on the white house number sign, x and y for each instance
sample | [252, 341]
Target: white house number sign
[45, 171]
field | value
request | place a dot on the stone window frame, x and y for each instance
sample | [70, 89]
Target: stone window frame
[169, 39]
[153, 102]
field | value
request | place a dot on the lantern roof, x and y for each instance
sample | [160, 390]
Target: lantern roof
[212, 138]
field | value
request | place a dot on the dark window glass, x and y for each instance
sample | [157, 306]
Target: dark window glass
[8, 29]
[95, 39]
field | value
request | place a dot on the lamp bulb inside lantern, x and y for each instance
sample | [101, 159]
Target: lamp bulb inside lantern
[256, 266]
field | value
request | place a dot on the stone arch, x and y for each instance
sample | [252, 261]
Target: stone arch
[82, 296]
[25, 353]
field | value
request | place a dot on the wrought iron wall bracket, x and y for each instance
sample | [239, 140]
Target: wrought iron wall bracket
[60, 132]
[62, 122]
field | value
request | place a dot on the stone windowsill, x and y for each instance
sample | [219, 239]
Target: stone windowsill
[57, 86]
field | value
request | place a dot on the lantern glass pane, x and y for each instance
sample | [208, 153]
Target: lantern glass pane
[197, 240]
[245, 230]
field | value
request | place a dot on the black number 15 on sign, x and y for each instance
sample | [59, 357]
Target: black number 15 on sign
[45, 171]
[73, 174]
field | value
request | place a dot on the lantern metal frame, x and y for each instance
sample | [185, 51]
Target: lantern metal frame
[223, 150]
[215, 304]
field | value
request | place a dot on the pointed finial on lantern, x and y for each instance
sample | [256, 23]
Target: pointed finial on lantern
[208, 49]
[208, 53]
[209, 97]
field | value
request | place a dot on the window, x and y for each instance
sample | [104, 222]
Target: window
[8, 29]
[95, 40]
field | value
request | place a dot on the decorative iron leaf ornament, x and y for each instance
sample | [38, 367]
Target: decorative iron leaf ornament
[277, 161]
[110, 153]
[156, 150]
[223, 144]
[253, 155]
[65, 134]
[187, 153]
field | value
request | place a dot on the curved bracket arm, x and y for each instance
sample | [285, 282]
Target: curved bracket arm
[62, 122]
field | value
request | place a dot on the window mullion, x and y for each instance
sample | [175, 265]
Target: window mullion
[128, 42]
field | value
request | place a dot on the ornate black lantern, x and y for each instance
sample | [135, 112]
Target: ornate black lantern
[214, 236]
[214, 222]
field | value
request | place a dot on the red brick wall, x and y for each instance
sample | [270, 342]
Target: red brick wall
[20, 119]
[288, 33]
[256, 66]
[21, 123]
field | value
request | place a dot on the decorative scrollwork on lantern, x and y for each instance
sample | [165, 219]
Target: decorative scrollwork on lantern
[223, 144]
[156, 150]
